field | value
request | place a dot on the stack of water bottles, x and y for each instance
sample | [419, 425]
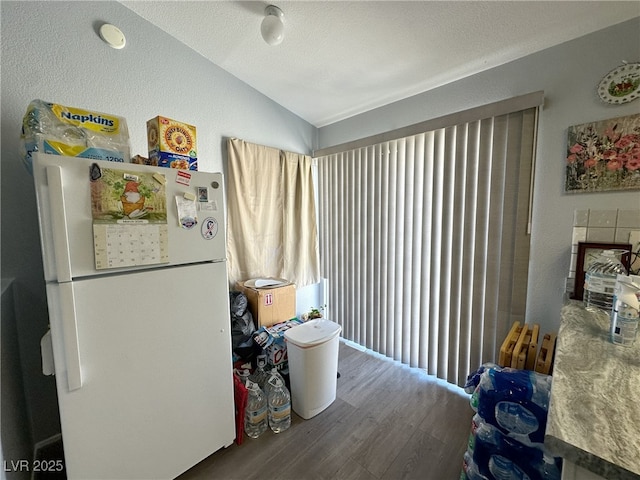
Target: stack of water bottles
[268, 402]
[507, 431]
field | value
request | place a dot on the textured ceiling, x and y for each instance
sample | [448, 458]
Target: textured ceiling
[342, 58]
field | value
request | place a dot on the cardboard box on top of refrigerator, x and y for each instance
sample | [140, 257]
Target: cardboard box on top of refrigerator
[172, 144]
[270, 301]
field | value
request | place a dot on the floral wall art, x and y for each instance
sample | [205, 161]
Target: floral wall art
[604, 155]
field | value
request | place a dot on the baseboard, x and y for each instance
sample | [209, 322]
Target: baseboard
[353, 345]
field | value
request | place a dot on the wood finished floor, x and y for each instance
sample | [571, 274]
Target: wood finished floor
[388, 422]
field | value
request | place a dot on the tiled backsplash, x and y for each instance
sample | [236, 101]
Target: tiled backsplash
[604, 226]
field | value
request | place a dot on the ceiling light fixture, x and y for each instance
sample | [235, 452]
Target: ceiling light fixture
[272, 27]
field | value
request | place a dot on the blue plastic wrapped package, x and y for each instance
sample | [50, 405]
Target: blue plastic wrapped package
[515, 401]
[474, 378]
[58, 130]
[496, 455]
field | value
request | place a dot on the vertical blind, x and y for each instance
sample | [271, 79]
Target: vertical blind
[424, 241]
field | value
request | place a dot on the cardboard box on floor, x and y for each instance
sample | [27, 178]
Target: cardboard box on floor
[270, 305]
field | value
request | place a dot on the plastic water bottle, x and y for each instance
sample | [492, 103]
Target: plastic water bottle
[625, 314]
[470, 469]
[600, 281]
[243, 375]
[504, 469]
[260, 375]
[279, 406]
[484, 434]
[550, 470]
[273, 373]
[255, 417]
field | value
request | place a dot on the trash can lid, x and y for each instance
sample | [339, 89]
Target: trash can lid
[312, 333]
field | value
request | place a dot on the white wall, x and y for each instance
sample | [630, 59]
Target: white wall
[51, 51]
[569, 75]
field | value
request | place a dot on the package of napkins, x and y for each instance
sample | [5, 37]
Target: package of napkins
[58, 130]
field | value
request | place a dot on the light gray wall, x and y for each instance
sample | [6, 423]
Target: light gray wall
[568, 74]
[51, 51]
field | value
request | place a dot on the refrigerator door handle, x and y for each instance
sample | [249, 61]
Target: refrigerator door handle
[70, 336]
[59, 224]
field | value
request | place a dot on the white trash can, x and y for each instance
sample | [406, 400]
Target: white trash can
[312, 349]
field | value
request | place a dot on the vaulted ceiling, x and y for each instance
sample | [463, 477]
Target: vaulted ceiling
[341, 58]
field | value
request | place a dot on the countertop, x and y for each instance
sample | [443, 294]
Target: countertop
[594, 410]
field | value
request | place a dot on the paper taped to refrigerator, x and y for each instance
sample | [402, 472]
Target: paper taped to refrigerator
[129, 219]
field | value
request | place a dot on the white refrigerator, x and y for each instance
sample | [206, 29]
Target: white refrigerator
[136, 276]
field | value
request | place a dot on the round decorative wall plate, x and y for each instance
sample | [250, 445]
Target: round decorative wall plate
[621, 85]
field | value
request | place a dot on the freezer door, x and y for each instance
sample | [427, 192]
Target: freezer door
[64, 195]
[151, 392]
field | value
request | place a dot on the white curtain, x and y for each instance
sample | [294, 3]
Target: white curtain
[272, 228]
[424, 241]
